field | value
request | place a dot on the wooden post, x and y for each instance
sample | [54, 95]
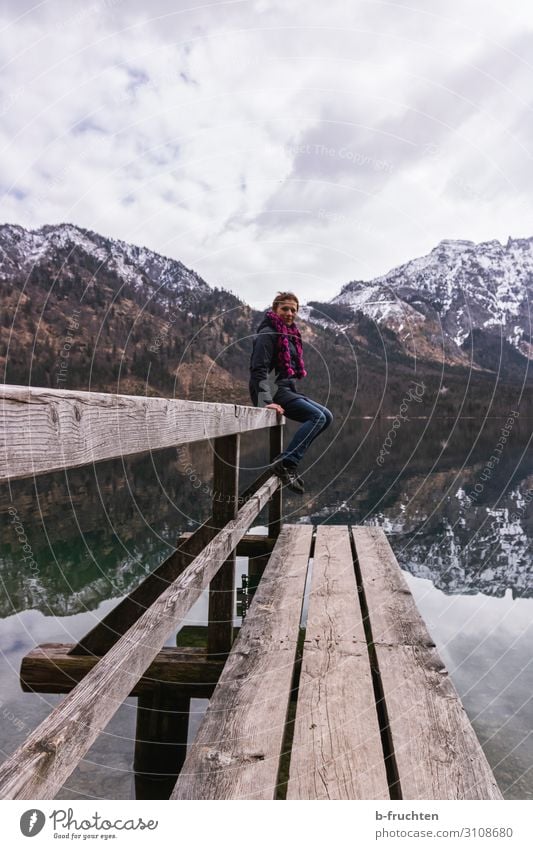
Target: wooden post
[160, 741]
[52, 668]
[225, 508]
[256, 567]
[275, 504]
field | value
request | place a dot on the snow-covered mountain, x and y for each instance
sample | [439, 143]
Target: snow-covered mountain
[23, 250]
[461, 313]
[465, 292]
[130, 317]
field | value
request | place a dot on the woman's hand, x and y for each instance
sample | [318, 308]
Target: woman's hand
[275, 407]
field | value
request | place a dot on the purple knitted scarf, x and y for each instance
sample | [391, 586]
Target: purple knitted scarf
[283, 350]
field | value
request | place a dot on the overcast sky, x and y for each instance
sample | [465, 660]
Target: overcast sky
[271, 143]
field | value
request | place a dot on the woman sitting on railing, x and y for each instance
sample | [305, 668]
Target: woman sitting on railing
[278, 346]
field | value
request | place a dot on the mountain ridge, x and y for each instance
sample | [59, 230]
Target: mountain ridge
[460, 287]
[147, 324]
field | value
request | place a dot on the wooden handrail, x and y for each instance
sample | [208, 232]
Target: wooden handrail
[43, 430]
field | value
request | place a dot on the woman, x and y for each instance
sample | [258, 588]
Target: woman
[278, 347]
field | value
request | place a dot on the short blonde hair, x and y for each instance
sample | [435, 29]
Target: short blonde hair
[284, 296]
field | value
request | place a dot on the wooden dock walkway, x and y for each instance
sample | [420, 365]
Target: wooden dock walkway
[377, 716]
[350, 702]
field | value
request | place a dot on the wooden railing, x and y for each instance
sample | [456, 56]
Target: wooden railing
[44, 430]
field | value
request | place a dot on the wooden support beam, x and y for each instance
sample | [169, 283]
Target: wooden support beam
[256, 568]
[43, 430]
[225, 505]
[38, 768]
[275, 508]
[236, 752]
[52, 668]
[160, 741]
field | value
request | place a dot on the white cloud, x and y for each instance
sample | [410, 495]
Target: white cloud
[265, 143]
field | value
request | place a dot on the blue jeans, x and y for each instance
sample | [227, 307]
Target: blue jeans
[315, 418]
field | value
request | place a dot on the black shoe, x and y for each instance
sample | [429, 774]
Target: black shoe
[288, 476]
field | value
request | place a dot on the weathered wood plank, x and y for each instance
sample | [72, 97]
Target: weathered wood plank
[437, 753]
[395, 616]
[43, 430]
[237, 749]
[336, 750]
[226, 452]
[38, 768]
[51, 668]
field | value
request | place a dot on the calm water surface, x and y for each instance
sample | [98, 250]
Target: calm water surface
[460, 529]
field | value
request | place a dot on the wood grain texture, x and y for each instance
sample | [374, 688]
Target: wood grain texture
[436, 749]
[336, 751]
[437, 753]
[395, 616]
[43, 430]
[38, 768]
[236, 752]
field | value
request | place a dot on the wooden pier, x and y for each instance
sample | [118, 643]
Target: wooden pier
[351, 701]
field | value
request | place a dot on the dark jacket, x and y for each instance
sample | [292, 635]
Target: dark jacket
[263, 361]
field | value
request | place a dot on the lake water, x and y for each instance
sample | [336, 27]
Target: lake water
[460, 525]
